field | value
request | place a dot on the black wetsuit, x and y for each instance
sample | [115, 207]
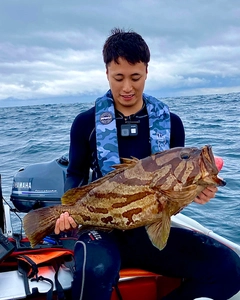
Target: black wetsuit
[83, 152]
[209, 269]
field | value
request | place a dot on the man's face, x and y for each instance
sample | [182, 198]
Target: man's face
[127, 84]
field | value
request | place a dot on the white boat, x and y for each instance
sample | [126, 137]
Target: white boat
[134, 284]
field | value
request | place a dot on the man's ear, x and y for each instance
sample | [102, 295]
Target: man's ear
[107, 73]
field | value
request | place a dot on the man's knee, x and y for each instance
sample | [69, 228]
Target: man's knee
[96, 255]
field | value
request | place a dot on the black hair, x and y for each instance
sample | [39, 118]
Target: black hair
[126, 44]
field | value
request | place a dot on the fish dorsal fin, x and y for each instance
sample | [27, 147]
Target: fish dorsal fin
[71, 196]
[126, 163]
[75, 194]
[158, 232]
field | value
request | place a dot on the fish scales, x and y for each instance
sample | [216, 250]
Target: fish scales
[137, 193]
[121, 206]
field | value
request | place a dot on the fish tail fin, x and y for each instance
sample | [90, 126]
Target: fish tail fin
[39, 223]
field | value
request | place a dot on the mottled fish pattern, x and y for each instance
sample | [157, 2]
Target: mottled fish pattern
[145, 192]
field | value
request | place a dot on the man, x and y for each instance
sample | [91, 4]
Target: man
[123, 123]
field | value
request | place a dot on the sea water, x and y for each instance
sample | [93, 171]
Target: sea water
[40, 133]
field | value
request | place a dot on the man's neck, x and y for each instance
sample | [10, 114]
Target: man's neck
[130, 110]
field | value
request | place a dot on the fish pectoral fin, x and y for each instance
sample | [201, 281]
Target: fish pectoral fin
[158, 232]
[186, 194]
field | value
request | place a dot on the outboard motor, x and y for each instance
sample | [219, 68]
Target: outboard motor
[39, 185]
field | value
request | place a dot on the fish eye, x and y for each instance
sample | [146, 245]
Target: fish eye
[185, 156]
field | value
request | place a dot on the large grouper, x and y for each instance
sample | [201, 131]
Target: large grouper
[145, 192]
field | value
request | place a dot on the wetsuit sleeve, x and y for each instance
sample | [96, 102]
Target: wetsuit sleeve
[79, 153]
[177, 136]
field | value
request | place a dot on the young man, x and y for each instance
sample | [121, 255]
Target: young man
[126, 122]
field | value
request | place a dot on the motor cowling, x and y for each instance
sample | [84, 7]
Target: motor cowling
[39, 185]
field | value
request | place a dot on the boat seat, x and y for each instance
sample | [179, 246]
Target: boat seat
[138, 284]
[134, 284]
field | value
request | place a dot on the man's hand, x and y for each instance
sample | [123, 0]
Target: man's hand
[206, 195]
[64, 222]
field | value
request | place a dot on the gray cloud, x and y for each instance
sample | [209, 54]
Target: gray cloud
[53, 48]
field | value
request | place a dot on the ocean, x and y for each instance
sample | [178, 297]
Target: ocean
[40, 133]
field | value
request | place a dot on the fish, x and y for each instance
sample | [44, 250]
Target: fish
[138, 192]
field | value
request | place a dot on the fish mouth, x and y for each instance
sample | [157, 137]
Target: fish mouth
[220, 182]
[209, 165]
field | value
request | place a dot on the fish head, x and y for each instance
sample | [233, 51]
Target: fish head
[184, 166]
[209, 168]
[198, 166]
[179, 176]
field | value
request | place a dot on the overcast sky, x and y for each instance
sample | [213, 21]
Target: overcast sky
[54, 48]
